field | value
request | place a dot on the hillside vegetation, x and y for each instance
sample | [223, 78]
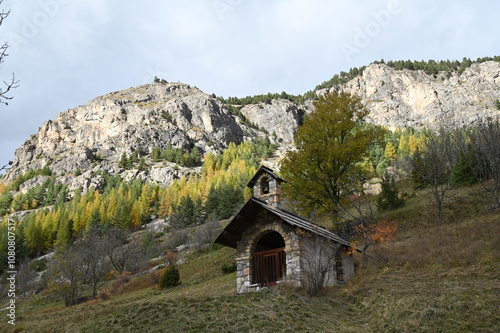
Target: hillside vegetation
[55, 218]
[429, 279]
[439, 273]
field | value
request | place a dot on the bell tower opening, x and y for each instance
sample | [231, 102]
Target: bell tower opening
[264, 185]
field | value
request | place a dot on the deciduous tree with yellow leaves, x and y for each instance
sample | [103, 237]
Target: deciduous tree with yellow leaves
[326, 169]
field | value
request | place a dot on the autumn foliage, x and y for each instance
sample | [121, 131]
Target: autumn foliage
[131, 204]
[372, 235]
[327, 166]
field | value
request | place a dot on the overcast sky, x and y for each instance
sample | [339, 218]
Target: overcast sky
[67, 52]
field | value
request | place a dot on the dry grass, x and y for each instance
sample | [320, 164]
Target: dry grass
[435, 278]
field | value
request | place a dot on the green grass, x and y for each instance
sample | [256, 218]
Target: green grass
[429, 279]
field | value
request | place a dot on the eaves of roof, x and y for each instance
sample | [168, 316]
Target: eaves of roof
[232, 233]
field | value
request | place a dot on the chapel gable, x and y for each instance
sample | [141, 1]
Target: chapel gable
[266, 186]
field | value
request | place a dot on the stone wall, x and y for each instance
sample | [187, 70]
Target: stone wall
[318, 261]
[300, 250]
[264, 224]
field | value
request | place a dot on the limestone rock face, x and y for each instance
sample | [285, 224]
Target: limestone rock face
[281, 118]
[402, 98]
[94, 136]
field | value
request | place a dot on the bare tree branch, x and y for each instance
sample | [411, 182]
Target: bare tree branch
[11, 83]
[6, 166]
[487, 142]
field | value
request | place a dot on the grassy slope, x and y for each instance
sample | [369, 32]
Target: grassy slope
[430, 279]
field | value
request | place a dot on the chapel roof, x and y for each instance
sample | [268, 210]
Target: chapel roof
[245, 217]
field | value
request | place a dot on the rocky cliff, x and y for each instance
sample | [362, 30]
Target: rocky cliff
[281, 118]
[401, 98]
[94, 136]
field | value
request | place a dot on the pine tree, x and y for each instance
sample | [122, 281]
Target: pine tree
[390, 151]
[412, 144]
[388, 198]
[170, 278]
[418, 169]
[65, 233]
[125, 162]
[134, 158]
[463, 172]
[156, 154]
[212, 201]
[136, 215]
[142, 165]
[186, 214]
[34, 235]
[403, 148]
[95, 220]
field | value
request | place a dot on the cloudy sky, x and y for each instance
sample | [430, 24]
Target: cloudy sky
[67, 52]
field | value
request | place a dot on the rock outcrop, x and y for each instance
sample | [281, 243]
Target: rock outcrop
[281, 118]
[94, 136]
[403, 98]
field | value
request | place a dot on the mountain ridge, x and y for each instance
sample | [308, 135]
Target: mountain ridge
[94, 136]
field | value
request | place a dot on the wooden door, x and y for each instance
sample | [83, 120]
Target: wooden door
[268, 266]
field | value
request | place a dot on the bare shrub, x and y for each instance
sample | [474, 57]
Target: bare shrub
[121, 250]
[65, 275]
[177, 238]
[154, 277]
[206, 233]
[116, 287]
[318, 262]
[26, 276]
[124, 277]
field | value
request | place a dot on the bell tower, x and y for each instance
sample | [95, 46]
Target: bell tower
[266, 186]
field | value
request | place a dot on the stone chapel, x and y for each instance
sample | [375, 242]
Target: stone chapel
[275, 246]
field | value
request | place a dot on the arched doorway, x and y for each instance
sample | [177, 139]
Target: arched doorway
[269, 259]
